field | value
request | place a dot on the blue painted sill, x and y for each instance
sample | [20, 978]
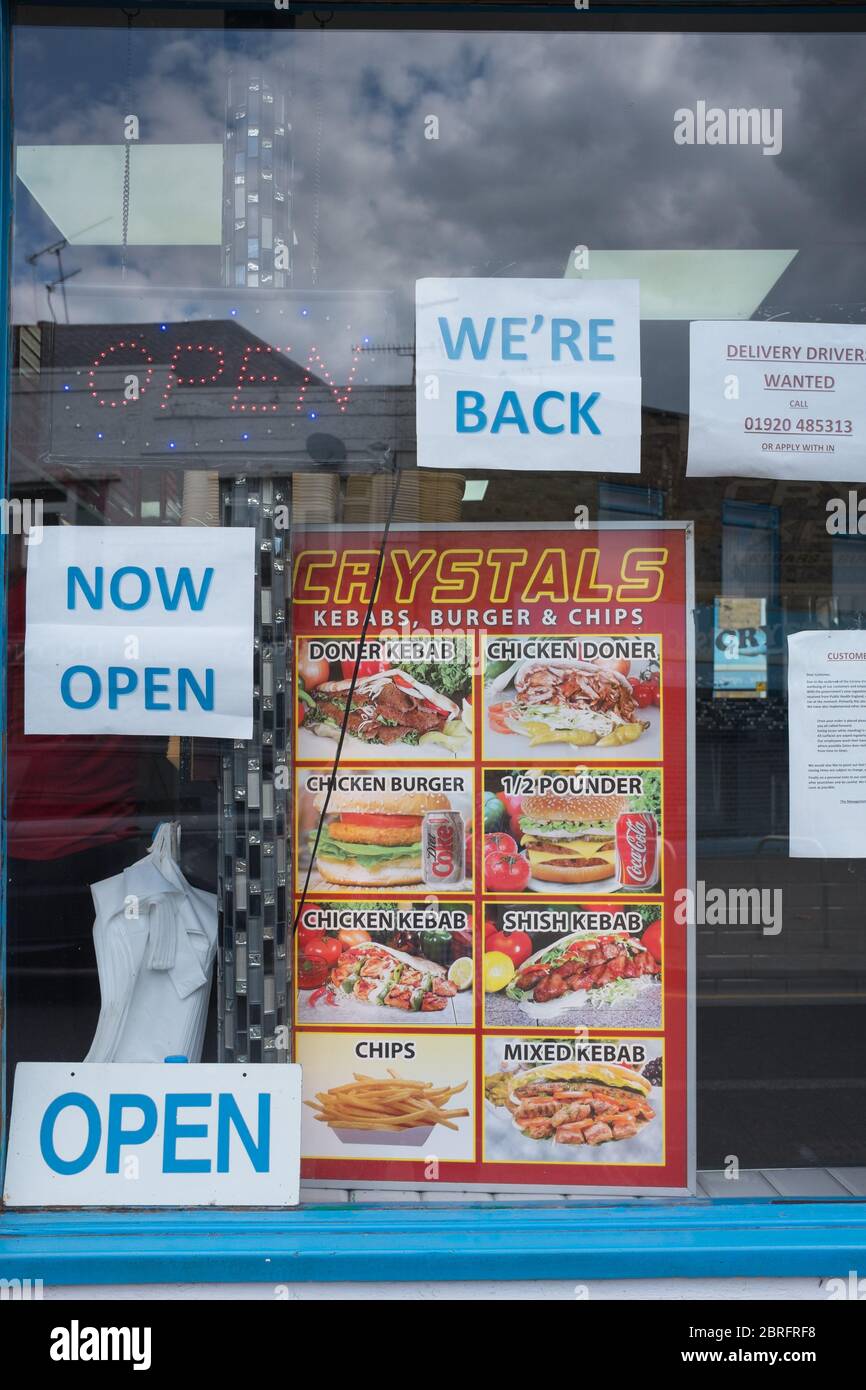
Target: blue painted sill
[644, 1239]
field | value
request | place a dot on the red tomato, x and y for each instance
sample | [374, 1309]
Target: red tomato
[506, 873]
[646, 689]
[306, 932]
[302, 712]
[503, 844]
[328, 949]
[365, 668]
[515, 944]
[644, 693]
[312, 974]
[490, 927]
[512, 805]
[377, 822]
[307, 935]
[652, 940]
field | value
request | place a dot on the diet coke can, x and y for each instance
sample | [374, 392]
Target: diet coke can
[443, 848]
[637, 849]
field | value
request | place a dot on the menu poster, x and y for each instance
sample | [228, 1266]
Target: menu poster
[492, 962]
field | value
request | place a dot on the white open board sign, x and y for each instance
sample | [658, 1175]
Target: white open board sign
[154, 1135]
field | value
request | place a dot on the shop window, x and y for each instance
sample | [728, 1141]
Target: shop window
[849, 574]
[304, 202]
[750, 549]
[617, 500]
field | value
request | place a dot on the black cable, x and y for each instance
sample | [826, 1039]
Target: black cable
[345, 724]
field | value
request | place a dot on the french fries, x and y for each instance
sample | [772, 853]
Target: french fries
[387, 1103]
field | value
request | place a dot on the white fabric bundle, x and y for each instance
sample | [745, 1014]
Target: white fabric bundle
[155, 938]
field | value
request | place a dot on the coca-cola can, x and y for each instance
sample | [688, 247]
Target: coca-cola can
[443, 846]
[637, 849]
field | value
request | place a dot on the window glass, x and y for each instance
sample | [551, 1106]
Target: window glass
[245, 263]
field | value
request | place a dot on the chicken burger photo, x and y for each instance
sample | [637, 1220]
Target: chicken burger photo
[373, 841]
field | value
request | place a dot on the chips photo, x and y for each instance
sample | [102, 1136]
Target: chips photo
[389, 1103]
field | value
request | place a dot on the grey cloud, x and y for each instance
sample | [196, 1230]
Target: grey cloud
[545, 141]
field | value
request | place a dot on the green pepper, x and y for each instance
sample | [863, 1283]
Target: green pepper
[436, 945]
[495, 814]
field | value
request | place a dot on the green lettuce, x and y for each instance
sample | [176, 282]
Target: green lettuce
[575, 828]
[651, 800]
[370, 854]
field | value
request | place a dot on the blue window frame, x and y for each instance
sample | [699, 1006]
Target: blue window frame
[6, 213]
[617, 501]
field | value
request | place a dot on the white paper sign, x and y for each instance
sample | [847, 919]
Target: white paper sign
[140, 630]
[827, 744]
[539, 375]
[778, 400]
[137, 1135]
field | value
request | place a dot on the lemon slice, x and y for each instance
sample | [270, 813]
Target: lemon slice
[461, 972]
[498, 971]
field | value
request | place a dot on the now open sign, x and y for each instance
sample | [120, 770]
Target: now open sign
[528, 374]
[140, 630]
[138, 1134]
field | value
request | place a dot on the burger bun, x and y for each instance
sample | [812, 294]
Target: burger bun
[573, 808]
[351, 874]
[572, 873]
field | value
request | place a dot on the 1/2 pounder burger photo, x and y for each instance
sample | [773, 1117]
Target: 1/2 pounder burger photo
[372, 841]
[571, 839]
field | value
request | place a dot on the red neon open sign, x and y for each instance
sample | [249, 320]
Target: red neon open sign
[194, 365]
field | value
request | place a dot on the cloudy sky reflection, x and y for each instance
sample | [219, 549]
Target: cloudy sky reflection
[545, 141]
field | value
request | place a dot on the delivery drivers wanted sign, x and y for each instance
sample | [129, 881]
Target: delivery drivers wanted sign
[777, 400]
[528, 374]
[139, 630]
